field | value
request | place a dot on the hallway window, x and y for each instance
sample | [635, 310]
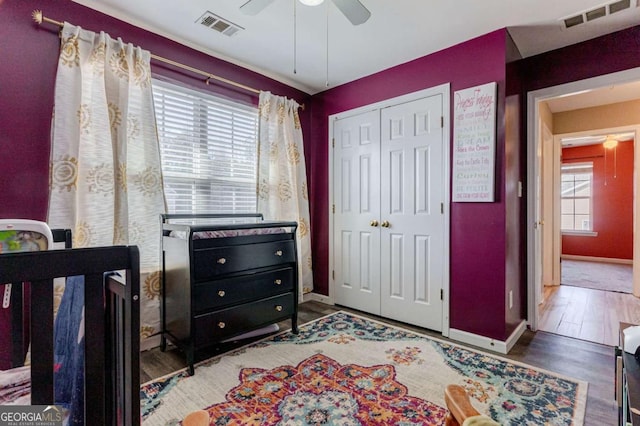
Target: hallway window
[576, 195]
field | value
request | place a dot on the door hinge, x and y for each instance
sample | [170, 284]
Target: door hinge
[441, 122]
[333, 208]
[333, 275]
[333, 142]
[441, 208]
[441, 294]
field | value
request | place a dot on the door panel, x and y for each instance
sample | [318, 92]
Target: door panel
[412, 269]
[356, 192]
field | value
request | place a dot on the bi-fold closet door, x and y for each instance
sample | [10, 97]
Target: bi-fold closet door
[389, 223]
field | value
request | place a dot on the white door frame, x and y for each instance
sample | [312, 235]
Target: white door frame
[445, 91]
[533, 167]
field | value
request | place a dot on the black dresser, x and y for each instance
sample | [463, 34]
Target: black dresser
[223, 276]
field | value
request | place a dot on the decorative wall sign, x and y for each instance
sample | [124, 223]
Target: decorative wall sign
[474, 144]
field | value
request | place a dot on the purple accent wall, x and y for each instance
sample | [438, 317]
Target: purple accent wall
[603, 55]
[477, 229]
[515, 170]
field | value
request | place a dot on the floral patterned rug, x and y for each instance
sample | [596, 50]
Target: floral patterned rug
[344, 369]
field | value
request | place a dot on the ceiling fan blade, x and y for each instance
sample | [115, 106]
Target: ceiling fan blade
[253, 7]
[353, 10]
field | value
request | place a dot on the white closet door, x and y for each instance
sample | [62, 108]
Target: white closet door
[356, 181]
[412, 187]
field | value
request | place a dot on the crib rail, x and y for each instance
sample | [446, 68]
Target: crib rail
[112, 341]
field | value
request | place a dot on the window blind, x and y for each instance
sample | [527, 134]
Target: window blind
[208, 148]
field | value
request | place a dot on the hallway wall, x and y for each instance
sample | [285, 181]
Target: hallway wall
[612, 199]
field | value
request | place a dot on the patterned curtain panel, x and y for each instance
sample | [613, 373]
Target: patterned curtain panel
[106, 182]
[282, 176]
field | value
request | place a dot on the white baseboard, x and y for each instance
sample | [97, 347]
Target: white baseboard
[318, 298]
[597, 259]
[517, 333]
[499, 346]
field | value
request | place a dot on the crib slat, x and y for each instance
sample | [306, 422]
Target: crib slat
[17, 324]
[94, 379]
[42, 342]
[131, 308]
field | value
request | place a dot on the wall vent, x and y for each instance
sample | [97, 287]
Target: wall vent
[597, 13]
[221, 25]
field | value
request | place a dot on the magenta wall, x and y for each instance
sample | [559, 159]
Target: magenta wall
[477, 229]
[603, 55]
[612, 202]
[28, 68]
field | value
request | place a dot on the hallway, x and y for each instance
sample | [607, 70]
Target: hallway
[583, 313]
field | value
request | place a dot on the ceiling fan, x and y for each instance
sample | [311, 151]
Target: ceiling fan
[352, 9]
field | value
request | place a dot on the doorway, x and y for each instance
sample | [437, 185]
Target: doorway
[537, 116]
[594, 229]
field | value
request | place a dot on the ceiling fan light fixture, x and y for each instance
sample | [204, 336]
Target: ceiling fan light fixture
[610, 143]
[311, 2]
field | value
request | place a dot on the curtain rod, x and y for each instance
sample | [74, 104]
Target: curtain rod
[38, 17]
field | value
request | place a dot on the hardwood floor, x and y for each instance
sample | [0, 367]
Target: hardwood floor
[571, 357]
[587, 314]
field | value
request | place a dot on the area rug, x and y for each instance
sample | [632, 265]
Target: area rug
[597, 275]
[344, 369]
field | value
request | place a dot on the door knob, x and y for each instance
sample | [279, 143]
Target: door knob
[373, 223]
[385, 224]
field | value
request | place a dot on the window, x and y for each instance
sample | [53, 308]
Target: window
[576, 194]
[208, 146]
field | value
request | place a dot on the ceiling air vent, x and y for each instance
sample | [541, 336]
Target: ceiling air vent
[619, 5]
[597, 13]
[573, 21]
[221, 25]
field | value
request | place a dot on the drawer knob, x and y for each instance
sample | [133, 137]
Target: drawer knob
[279, 308]
[221, 324]
[222, 261]
[221, 293]
[279, 253]
[278, 282]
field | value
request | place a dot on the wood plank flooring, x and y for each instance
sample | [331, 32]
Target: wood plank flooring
[587, 314]
[571, 357]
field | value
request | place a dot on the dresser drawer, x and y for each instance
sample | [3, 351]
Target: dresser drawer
[224, 260]
[231, 291]
[214, 326]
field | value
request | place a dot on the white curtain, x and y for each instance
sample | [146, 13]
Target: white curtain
[106, 182]
[282, 177]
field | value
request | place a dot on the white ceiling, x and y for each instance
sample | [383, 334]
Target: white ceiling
[397, 32]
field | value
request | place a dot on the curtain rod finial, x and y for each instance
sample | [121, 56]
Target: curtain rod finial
[37, 16]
